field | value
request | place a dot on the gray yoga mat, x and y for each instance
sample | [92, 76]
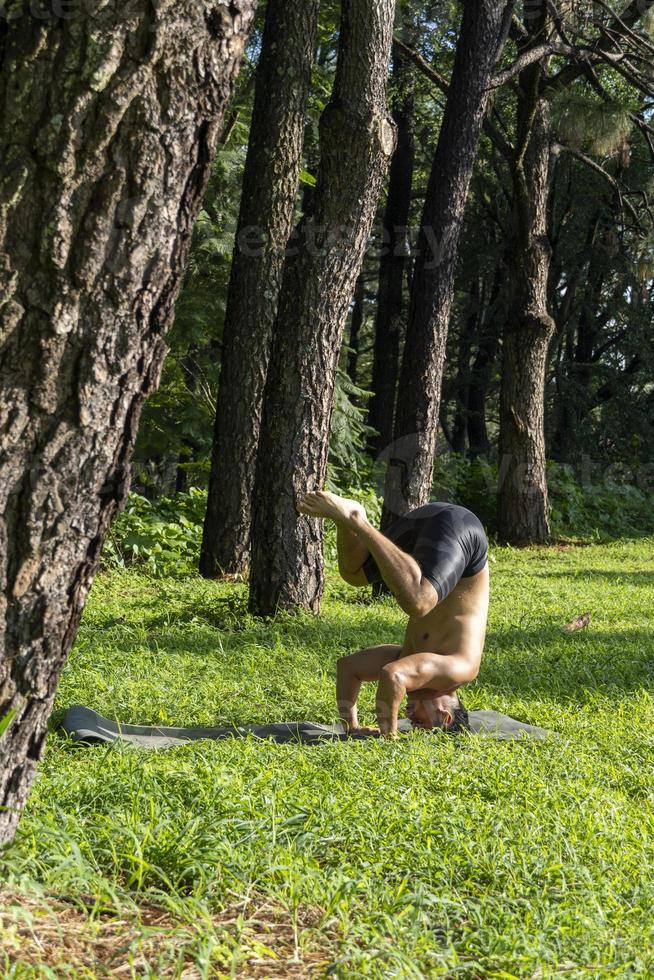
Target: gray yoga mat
[85, 725]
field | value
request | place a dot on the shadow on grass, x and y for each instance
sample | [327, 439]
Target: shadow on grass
[545, 661]
[607, 575]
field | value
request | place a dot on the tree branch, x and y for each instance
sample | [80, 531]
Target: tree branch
[529, 58]
[621, 24]
[589, 162]
[420, 63]
[625, 29]
[489, 127]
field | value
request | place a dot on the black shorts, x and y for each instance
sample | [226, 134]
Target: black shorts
[447, 541]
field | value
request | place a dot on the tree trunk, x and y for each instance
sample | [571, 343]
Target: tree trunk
[270, 184]
[411, 455]
[356, 323]
[578, 368]
[522, 486]
[469, 330]
[356, 141]
[392, 265]
[108, 123]
[189, 450]
[481, 372]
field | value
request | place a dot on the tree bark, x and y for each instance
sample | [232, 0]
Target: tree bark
[270, 184]
[357, 138]
[108, 123]
[356, 322]
[461, 389]
[522, 486]
[579, 367]
[392, 265]
[411, 455]
[482, 369]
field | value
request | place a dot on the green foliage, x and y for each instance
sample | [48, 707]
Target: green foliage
[472, 483]
[431, 856]
[349, 432]
[5, 721]
[162, 537]
[599, 510]
[585, 122]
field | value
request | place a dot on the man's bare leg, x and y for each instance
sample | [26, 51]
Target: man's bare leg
[415, 595]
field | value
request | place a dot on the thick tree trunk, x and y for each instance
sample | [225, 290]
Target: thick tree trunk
[522, 488]
[108, 122]
[357, 139]
[392, 265]
[270, 184]
[411, 455]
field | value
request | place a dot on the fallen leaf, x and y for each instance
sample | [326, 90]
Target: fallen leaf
[580, 623]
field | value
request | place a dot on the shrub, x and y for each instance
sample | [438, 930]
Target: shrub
[598, 510]
[162, 536]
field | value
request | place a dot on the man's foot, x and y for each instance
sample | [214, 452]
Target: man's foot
[322, 503]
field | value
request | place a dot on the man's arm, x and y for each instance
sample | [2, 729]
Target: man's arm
[352, 671]
[348, 686]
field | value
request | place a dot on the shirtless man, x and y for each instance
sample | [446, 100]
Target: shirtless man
[434, 561]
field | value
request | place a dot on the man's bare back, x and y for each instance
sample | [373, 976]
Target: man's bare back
[456, 626]
[447, 608]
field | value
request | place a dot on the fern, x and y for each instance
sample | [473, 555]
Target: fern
[348, 431]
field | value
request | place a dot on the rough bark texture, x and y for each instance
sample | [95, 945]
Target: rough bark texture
[392, 265]
[522, 488]
[108, 120]
[411, 455]
[357, 138]
[270, 185]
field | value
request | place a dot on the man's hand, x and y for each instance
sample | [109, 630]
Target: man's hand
[322, 503]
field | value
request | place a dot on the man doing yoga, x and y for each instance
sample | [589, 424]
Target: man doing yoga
[434, 561]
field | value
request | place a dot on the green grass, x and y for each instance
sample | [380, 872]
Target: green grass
[432, 856]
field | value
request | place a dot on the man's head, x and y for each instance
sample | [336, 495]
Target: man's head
[428, 710]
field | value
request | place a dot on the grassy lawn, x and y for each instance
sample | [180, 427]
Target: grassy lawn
[432, 856]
